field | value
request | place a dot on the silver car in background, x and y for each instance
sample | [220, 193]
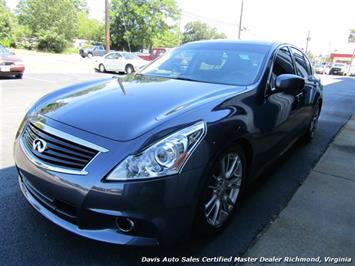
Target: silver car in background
[119, 62]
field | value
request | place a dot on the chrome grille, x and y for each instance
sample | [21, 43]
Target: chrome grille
[59, 152]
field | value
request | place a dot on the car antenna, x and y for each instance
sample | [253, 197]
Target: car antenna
[121, 85]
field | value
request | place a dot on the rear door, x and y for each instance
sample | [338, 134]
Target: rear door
[304, 70]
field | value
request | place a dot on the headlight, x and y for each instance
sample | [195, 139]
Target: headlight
[166, 157]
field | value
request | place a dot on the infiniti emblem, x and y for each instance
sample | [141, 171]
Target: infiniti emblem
[39, 145]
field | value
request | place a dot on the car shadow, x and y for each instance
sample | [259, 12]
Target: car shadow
[9, 78]
[120, 74]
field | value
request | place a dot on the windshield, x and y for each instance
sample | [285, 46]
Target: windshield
[235, 64]
[4, 51]
[130, 56]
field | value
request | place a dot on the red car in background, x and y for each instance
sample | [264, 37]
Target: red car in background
[10, 65]
[154, 53]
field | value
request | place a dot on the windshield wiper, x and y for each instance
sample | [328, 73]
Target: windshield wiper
[184, 78]
[121, 85]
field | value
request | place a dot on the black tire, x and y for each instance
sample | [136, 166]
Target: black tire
[19, 76]
[313, 124]
[129, 69]
[102, 68]
[90, 55]
[202, 224]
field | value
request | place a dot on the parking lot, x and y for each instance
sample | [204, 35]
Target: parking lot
[28, 237]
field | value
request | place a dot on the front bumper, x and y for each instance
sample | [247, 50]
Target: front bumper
[163, 209]
[104, 235]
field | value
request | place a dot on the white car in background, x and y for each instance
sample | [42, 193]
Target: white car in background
[119, 62]
[322, 68]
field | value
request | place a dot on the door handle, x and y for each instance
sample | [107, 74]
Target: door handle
[298, 96]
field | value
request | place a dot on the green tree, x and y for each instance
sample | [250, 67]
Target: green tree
[7, 25]
[52, 22]
[135, 24]
[170, 38]
[90, 29]
[197, 30]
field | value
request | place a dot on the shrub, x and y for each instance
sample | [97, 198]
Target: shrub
[51, 42]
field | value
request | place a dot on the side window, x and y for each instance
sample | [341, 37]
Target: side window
[154, 54]
[282, 65]
[117, 56]
[283, 62]
[309, 67]
[110, 56]
[302, 64]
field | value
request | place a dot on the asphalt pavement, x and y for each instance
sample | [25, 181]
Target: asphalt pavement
[28, 238]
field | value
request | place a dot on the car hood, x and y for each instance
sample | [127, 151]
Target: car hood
[106, 109]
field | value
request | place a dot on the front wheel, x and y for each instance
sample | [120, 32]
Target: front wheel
[102, 68]
[19, 76]
[129, 69]
[222, 191]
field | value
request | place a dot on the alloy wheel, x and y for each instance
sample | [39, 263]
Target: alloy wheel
[314, 122]
[224, 190]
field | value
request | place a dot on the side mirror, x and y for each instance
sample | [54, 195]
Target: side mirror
[288, 83]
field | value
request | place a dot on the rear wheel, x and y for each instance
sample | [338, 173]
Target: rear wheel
[222, 191]
[19, 76]
[89, 55]
[313, 124]
[102, 68]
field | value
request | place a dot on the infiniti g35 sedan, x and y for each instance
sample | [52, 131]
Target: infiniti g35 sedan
[147, 159]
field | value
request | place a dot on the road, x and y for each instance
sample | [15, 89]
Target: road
[28, 238]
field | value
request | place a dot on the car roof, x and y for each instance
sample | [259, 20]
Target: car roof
[245, 42]
[271, 44]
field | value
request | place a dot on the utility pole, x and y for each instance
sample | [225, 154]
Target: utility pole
[308, 39]
[351, 60]
[240, 20]
[107, 25]
[351, 40]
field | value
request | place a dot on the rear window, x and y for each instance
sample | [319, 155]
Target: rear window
[130, 56]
